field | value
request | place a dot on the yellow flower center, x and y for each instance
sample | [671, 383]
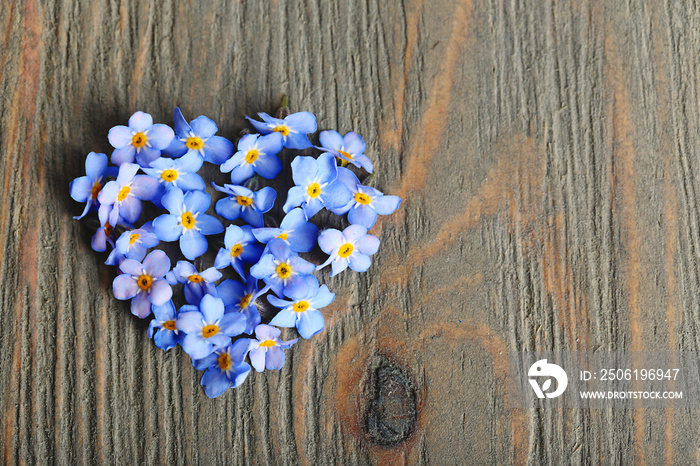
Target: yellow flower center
[169, 175]
[251, 156]
[245, 302]
[210, 330]
[345, 154]
[283, 130]
[194, 142]
[236, 250]
[300, 306]
[96, 188]
[187, 220]
[224, 361]
[268, 343]
[244, 200]
[108, 229]
[313, 190]
[139, 140]
[345, 250]
[133, 238]
[195, 278]
[362, 198]
[144, 282]
[169, 325]
[123, 193]
[283, 236]
[284, 271]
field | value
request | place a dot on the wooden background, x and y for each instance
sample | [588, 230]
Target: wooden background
[547, 155]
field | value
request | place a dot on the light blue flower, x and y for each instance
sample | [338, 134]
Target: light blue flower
[242, 298]
[86, 188]
[144, 283]
[179, 173]
[224, 368]
[316, 185]
[187, 221]
[207, 328]
[141, 141]
[266, 352]
[283, 269]
[302, 311]
[294, 128]
[163, 325]
[256, 154]
[348, 148]
[240, 247]
[295, 230]
[197, 284]
[365, 203]
[351, 247]
[199, 138]
[122, 197]
[103, 235]
[134, 244]
[245, 204]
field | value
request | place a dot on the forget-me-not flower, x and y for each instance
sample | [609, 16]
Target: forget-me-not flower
[295, 230]
[266, 351]
[187, 221]
[103, 235]
[240, 247]
[316, 185]
[294, 128]
[256, 154]
[180, 173]
[302, 311]
[141, 141]
[351, 247]
[242, 298]
[348, 148]
[197, 284]
[199, 137]
[144, 283]
[86, 188]
[163, 325]
[283, 269]
[134, 244]
[244, 203]
[207, 328]
[224, 368]
[123, 196]
[366, 202]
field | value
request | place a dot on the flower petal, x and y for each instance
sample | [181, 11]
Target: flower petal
[331, 140]
[119, 136]
[304, 170]
[329, 240]
[193, 244]
[160, 292]
[166, 227]
[212, 308]
[124, 287]
[310, 323]
[208, 224]
[359, 262]
[203, 127]
[274, 360]
[160, 136]
[189, 321]
[141, 306]
[217, 150]
[285, 318]
[126, 154]
[140, 121]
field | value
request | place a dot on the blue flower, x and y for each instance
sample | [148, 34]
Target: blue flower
[207, 328]
[144, 283]
[256, 154]
[187, 221]
[225, 368]
[266, 352]
[180, 173]
[197, 284]
[199, 138]
[244, 203]
[123, 196]
[135, 243]
[103, 235]
[239, 247]
[294, 128]
[365, 203]
[163, 325]
[283, 270]
[351, 248]
[294, 230]
[141, 140]
[348, 148]
[302, 311]
[239, 297]
[86, 188]
[316, 185]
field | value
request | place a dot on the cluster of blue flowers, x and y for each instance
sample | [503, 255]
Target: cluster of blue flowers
[221, 326]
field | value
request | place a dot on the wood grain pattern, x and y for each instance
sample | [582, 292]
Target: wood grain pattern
[546, 154]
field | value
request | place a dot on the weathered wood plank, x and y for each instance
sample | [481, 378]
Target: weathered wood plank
[546, 152]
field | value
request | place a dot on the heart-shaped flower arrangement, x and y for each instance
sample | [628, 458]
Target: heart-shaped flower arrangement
[211, 326]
